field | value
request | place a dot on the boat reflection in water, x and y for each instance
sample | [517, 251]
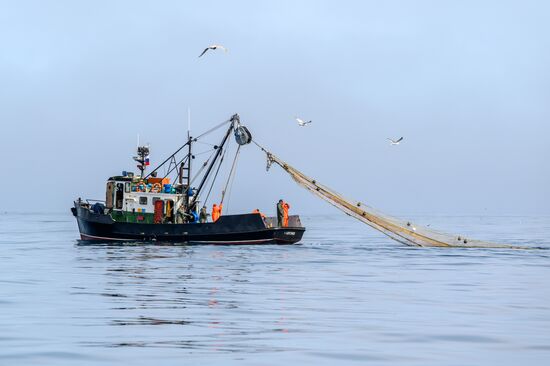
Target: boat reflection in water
[197, 302]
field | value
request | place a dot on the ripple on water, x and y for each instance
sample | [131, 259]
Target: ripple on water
[343, 296]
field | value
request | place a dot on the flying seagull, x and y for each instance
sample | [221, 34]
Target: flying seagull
[301, 122]
[213, 47]
[395, 142]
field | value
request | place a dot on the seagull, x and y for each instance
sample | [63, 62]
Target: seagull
[395, 142]
[213, 47]
[302, 123]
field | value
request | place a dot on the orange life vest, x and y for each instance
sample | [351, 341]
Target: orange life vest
[286, 207]
[216, 212]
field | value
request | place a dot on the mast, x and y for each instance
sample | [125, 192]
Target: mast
[184, 168]
[189, 152]
[187, 185]
[218, 153]
[186, 171]
[142, 158]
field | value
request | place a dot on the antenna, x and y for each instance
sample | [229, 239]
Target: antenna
[187, 186]
[188, 122]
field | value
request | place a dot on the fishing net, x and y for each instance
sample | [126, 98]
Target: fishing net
[402, 231]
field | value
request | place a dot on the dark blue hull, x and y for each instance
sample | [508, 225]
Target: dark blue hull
[229, 229]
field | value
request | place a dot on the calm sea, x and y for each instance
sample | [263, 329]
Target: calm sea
[345, 295]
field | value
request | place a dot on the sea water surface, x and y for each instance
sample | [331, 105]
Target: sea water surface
[345, 295]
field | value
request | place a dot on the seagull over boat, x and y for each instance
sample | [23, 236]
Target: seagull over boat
[395, 142]
[213, 47]
[302, 123]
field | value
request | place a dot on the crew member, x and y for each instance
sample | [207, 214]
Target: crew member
[286, 207]
[180, 215]
[257, 211]
[280, 213]
[216, 212]
[203, 215]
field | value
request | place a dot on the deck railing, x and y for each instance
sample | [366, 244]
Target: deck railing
[293, 221]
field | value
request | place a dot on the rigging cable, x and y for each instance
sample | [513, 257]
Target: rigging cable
[182, 161]
[202, 167]
[205, 143]
[194, 139]
[215, 175]
[219, 151]
[230, 190]
[212, 129]
[165, 161]
[231, 172]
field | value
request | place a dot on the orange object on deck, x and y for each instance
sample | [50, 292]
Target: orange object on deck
[161, 181]
[286, 207]
[216, 212]
[159, 211]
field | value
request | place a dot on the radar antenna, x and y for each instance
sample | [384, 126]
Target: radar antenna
[142, 158]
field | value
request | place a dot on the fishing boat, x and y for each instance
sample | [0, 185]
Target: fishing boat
[149, 208]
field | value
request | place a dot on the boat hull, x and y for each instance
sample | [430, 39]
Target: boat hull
[227, 230]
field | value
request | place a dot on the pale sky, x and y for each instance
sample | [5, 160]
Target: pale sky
[467, 83]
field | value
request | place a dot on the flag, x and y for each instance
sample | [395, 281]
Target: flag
[147, 160]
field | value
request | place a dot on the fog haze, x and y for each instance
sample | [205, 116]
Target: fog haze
[466, 83]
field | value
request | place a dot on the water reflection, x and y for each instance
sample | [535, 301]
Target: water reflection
[347, 295]
[175, 287]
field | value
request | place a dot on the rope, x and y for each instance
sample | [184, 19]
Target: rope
[205, 143]
[230, 189]
[204, 152]
[202, 168]
[215, 175]
[261, 147]
[231, 172]
[182, 161]
[165, 161]
[181, 147]
[212, 129]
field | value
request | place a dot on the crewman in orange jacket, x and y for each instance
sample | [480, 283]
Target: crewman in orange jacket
[216, 212]
[286, 207]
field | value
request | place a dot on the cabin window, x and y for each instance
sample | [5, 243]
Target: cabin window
[127, 187]
[119, 195]
[143, 200]
[155, 199]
